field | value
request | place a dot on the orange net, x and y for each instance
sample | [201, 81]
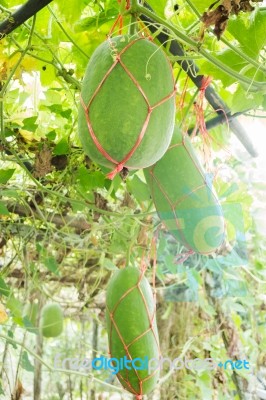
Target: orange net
[151, 329]
[174, 210]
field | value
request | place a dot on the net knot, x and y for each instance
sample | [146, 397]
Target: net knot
[184, 256]
[206, 80]
[116, 171]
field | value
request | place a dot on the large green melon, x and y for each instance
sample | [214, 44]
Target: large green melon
[132, 329]
[125, 76]
[185, 199]
[51, 320]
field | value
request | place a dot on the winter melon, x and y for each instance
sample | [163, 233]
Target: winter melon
[51, 320]
[127, 101]
[132, 329]
[185, 199]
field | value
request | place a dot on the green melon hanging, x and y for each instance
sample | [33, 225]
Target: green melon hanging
[127, 101]
[131, 327]
[51, 320]
[185, 199]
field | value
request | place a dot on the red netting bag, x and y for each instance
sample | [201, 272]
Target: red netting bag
[132, 330]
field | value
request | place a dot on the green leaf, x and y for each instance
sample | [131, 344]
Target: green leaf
[204, 382]
[39, 248]
[47, 74]
[61, 148]
[98, 20]
[1, 389]
[138, 188]
[11, 335]
[3, 3]
[202, 5]
[15, 306]
[252, 36]
[10, 193]
[228, 57]
[51, 264]
[25, 362]
[5, 175]
[51, 135]
[3, 209]
[242, 101]
[158, 6]
[71, 9]
[58, 109]
[9, 132]
[4, 289]
[29, 124]
[108, 264]
[89, 180]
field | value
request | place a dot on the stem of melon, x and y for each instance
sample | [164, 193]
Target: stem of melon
[195, 46]
[133, 26]
[134, 13]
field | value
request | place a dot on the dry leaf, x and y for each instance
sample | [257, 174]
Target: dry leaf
[220, 15]
[43, 164]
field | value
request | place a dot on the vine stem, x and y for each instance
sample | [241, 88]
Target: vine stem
[29, 9]
[195, 46]
[3, 90]
[211, 95]
[75, 201]
[133, 21]
[228, 44]
[25, 12]
[61, 370]
[65, 32]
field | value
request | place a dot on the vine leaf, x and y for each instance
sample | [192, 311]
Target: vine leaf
[5, 175]
[220, 15]
[25, 362]
[3, 209]
[51, 264]
[252, 38]
[1, 389]
[4, 289]
[242, 100]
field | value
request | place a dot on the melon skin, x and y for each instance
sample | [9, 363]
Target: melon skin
[127, 293]
[118, 110]
[51, 320]
[185, 199]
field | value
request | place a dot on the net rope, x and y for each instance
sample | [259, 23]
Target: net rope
[152, 325]
[120, 164]
[174, 205]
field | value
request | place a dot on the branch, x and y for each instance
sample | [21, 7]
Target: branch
[21, 15]
[192, 70]
[49, 277]
[90, 376]
[219, 120]
[80, 224]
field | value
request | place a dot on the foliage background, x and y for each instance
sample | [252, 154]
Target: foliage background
[65, 227]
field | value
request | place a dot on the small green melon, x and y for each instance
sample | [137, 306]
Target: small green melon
[51, 321]
[125, 77]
